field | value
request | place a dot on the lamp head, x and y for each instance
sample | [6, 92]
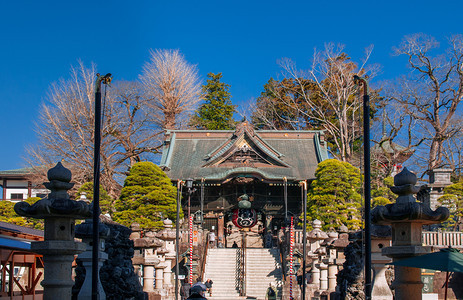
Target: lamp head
[189, 183]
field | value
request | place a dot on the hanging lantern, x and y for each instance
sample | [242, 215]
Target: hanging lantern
[244, 217]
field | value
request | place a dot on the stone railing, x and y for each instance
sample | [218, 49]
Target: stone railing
[444, 238]
[429, 238]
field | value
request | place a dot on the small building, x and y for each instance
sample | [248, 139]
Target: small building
[16, 185]
[261, 169]
[21, 270]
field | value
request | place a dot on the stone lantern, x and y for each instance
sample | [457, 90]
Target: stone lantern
[58, 248]
[406, 217]
[84, 231]
[330, 259]
[380, 238]
[315, 237]
[168, 235]
[147, 258]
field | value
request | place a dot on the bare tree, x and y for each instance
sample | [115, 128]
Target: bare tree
[431, 93]
[173, 85]
[453, 153]
[324, 97]
[65, 128]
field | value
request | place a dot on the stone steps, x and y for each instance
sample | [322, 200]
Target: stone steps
[262, 268]
[221, 268]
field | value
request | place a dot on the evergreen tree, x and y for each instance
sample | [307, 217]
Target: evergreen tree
[333, 197]
[453, 200]
[106, 202]
[217, 111]
[8, 215]
[147, 197]
[381, 193]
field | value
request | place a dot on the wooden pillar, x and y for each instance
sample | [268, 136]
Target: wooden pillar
[4, 189]
[220, 227]
[29, 189]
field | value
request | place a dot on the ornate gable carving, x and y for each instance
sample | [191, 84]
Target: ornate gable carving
[245, 149]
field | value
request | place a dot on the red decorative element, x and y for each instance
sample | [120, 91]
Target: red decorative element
[244, 217]
[291, 246]
[190, 225]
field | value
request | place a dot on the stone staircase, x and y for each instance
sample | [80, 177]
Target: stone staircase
[262, 268]
[221, 269]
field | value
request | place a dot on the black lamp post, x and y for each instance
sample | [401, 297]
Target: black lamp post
[367, 188]
[304, 235]
[177, 236]
[189, 186]
[96, 182]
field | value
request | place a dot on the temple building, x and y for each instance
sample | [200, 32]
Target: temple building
[242, 178]
[17, 185]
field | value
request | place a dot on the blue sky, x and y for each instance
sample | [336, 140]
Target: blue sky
[40, 40]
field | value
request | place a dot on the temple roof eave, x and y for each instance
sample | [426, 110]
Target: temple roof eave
[246, 172]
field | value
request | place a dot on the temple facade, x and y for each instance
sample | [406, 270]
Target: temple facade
[242, 178]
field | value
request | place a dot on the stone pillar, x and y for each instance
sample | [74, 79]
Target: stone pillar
[438, 180]
[148, 277]
[380, 238]
[58, 248]
[406, 217]
[168, 236]
[137, 259]
[315, 274]
[323, 276]
[159, 277]
[148, 258]
[332, 271]
[85, 232]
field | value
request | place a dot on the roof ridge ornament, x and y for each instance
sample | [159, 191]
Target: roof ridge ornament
[244, 126]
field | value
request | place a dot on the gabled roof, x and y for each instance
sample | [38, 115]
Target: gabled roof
[217, 155]
[245, 139]
[388, 148]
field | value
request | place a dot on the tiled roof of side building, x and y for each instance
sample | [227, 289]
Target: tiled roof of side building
[20, 229]
[22, 171]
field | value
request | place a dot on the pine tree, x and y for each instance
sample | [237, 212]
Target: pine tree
[333, 197]
[453, 200]
[217, 111]
[106, 202]
[147, 197]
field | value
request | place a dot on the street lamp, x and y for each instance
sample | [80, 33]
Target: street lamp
[189, 186]
[177, 235]
[367, 188]
[304, 235]
[96, 182]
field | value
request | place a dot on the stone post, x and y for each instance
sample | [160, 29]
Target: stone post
[168, 236]
[330, 260]
[332, 272]
[438, 180]
[58, 248]
[148, 259]
[323, 276]
[159, 277]
[315, 274]
[84, 231]
[406, 217]
[148, 271]
[315, 237]
[380, 238]
[137, 259]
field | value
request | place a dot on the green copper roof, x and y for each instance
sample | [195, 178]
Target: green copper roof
[186, 154]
